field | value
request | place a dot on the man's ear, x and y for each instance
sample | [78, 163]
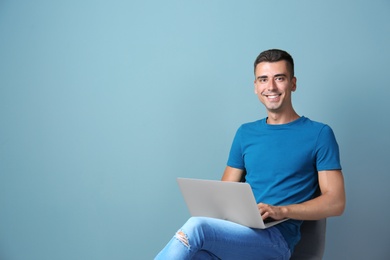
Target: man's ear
[294, 84]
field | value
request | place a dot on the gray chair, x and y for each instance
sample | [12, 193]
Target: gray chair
[312, 243]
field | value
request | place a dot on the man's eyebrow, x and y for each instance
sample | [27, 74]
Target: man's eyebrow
[275, 76]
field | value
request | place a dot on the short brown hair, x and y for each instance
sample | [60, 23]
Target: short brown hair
[275, 55]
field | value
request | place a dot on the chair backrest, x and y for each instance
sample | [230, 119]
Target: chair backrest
[312, 243]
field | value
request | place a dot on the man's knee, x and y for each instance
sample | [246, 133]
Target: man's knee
[182, 237]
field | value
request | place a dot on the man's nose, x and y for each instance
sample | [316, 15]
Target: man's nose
[271, 85]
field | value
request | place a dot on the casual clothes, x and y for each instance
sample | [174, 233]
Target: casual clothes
[282, 163]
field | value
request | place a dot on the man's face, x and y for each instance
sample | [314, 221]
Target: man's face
[273, 86]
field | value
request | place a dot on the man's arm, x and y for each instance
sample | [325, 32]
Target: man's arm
[331, 202]
[232, 174]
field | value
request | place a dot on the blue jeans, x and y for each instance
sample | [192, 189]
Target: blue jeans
[208, 238]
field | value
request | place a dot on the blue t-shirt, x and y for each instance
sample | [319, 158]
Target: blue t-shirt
[282, 163]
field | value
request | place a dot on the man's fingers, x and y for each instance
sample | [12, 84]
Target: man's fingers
[265, 210]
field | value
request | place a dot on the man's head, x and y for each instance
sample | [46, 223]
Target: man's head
[275, 81]
[275, 55]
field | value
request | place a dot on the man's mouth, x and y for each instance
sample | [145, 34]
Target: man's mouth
[273, 96]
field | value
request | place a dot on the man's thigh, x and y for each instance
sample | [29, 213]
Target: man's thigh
[228, 240]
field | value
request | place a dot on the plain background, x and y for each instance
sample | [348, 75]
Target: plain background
[104, 103]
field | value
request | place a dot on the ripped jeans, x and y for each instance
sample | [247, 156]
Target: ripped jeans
[208, 238]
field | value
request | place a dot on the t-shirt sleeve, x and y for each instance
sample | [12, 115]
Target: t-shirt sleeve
[327, 152]
[236, 159]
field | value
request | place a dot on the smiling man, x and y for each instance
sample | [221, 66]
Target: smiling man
[285, 158]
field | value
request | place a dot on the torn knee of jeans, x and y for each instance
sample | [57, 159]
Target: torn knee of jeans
[182, 237]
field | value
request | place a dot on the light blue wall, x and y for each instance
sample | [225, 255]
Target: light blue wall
[104, 103]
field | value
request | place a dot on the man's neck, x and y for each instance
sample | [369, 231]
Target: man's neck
[278, 119]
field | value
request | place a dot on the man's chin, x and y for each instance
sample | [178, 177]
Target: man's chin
[273, 108]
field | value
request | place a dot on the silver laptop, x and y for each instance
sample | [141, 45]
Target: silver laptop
[232, 201]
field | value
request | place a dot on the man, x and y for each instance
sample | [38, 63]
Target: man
[285, 158]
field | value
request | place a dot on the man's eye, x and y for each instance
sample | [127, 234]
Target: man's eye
[263, 80]
[279, 78]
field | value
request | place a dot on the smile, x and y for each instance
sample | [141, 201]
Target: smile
[274, 96]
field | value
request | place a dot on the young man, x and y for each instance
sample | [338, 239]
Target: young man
[285, 158]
